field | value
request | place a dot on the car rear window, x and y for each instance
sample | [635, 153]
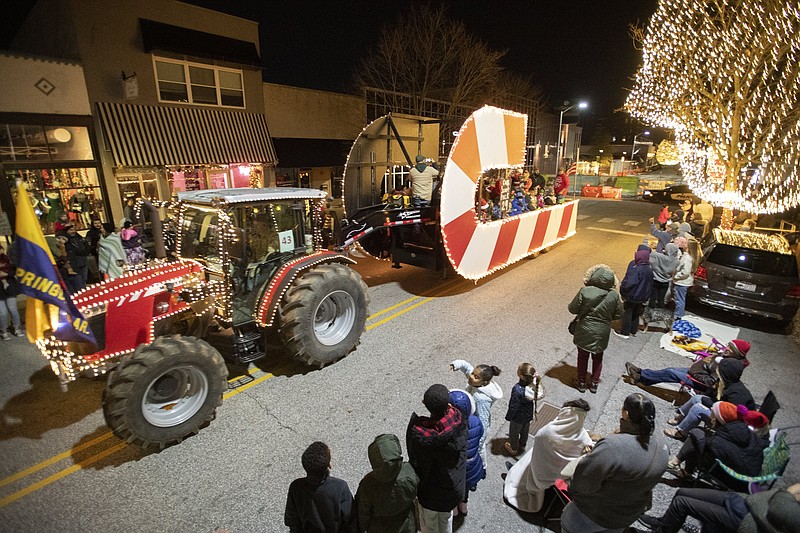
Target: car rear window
[755, 261]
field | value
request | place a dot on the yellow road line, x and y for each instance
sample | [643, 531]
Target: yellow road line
[105, 453]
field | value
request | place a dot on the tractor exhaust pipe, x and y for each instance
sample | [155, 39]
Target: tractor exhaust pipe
[155, 226]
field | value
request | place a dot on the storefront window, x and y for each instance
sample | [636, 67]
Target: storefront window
[74, 191]
[187, 180]
[21, 143]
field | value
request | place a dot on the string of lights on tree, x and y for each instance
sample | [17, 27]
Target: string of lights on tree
[724, 76]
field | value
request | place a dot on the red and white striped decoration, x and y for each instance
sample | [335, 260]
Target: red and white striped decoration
[493, 138]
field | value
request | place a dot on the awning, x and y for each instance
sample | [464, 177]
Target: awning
[168, 38]
[308, 153]
[144, 136]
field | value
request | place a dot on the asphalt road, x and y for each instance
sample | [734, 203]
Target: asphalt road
[62, 470]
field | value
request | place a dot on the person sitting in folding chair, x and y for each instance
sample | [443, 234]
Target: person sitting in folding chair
[772, 510]
[733, 443]
[729, 388]
[701, 376]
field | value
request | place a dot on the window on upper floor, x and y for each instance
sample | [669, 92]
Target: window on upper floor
[195, 83]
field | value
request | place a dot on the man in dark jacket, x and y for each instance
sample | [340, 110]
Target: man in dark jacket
[77, 251]
[385, 496]
[635, 290]
[437, 449]
[318, 502]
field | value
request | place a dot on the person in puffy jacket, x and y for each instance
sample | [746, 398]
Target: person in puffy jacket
[635, 289]
[596, 305]
[385, 497]
[663, 266]
[465, 403]
[484, 391]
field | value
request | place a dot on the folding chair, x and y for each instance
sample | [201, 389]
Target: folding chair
[776, 458]
[561, 494]
[769, 406]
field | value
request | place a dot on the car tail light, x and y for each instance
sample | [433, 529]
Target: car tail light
[700, 273]
[794, 292]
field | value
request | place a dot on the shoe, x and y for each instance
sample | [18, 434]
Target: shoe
[675, 420]
[462, 508]
[675, 433]
[651, 522]
[634, 372]
[580, 385]
[509, 449]
[6, 336]
[19, 332]
[676, 470]
[632, 335]
[593, 388]
[618, 334]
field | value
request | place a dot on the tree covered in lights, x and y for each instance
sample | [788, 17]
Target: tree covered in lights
[667, 153]
[725, 76]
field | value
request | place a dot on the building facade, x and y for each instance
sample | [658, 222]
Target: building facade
[175, 93]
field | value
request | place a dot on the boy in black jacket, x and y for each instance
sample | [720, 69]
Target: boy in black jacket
[318, 502]
[437, 449]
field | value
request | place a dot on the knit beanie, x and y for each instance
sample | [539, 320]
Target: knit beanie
[739, 348]
[724, 412]
[754, 419]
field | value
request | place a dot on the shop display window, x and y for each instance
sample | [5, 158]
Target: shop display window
[74, 191]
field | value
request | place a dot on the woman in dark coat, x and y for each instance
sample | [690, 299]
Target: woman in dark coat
[635, 289]
[595, 305]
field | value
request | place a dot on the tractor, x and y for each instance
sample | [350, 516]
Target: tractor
[247, 264]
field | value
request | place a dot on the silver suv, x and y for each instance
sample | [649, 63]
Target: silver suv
[748, 272]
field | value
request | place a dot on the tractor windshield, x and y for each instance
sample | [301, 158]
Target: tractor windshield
[199, 238]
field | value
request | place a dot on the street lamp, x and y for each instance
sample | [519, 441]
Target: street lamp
[633, 148]
[566, 107]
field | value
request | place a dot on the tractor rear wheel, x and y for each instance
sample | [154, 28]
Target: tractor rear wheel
[323, 314]
[165, 391]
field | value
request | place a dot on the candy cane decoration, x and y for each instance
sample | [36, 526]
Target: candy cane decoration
[493, 138]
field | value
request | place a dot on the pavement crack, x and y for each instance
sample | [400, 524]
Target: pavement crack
[269, 413]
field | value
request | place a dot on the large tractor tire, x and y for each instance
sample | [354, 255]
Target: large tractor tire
[323, 314]
[165, 391]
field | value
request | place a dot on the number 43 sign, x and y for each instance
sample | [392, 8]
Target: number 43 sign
[286, 239]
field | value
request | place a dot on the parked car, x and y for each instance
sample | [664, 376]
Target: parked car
[670, 195]
[748, 272]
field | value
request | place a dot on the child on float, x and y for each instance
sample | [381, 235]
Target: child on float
[484, 391]
[465, 403]
[521, 408]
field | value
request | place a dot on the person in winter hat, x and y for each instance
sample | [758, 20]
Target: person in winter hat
[484, 391]
[422, 176]
[635, 289]
[664, 266]
[729, 388]
[555, 445]
[437, 449]
[596, 305]
[683, 278]
[385, 497]
[663, 236]
[521, 407]
[465, 403]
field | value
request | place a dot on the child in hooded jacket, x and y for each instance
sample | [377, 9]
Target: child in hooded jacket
[484, 391]
[521, 408]
[465, 403]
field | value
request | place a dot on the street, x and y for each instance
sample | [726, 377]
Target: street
[62, 469]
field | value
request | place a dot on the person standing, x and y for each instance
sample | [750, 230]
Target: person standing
[484, 391]
[9, 289]
[319, 501]
[613, 485]
[663, 266]
[561, 185]
[421, 176]
[521, 408]
[683, 278]
[437, 449]
[635, 289]
[385, 497]
[596, 305]
[77, 252]
[110, 253]
[538, 181]
[465, 403]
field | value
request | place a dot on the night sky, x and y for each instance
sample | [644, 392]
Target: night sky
[572, 49]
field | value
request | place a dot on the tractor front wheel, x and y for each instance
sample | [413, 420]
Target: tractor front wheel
[165, 391]
[323, 314]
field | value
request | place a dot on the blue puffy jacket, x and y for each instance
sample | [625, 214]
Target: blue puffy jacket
[463, 401]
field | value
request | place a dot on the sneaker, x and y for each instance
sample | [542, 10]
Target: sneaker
[618, 334]
[19, 332]
[676, 470]
[580, 385]
[6, 336]
[634, 372]
[675, 420]
[675, 433]
[593, 388]
[650, 521]
[509, 449]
